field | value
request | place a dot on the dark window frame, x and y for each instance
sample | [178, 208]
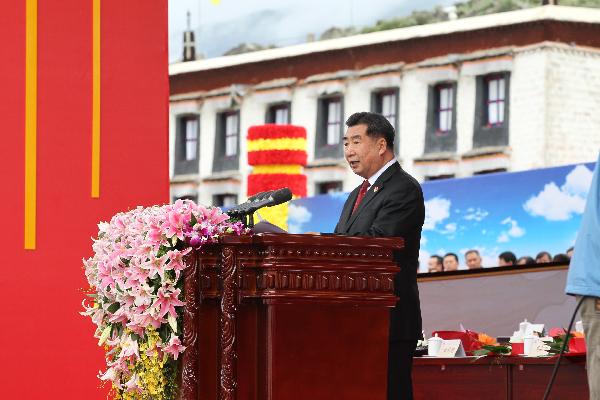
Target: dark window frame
[429, 178]
[326, 186]
[437, 141]
[377, 107]
[192, 197]
[322, 148]
[485, 134]
[181, 164]
[272, 110]
[221, 161]
[219, 197]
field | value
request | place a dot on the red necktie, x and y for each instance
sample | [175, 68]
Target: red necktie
[361, 193]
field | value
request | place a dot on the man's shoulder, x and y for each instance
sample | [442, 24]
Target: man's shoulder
[403, 180]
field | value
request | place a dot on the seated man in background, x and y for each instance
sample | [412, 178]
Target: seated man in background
[473, 259]
[543, 257]
[561, 258]
[525, 260]
[507, 258]
[435, 264]
[450, 262]
[570, 251]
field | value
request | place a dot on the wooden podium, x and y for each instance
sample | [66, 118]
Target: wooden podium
[292, 317]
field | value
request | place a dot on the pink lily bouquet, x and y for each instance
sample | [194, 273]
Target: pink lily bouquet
[136, 284]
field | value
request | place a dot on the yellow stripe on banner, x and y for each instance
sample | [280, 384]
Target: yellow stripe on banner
[96, 99]
[277, 144]
[277, 169]
[30, 123]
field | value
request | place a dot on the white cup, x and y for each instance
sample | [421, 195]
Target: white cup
[528, 342]
[433, 345]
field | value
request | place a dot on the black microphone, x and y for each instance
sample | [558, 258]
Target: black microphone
[269, 199]
[260, 200]
[240, 209]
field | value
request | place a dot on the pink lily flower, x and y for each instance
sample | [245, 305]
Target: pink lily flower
[173, 226]
[156, 265]
[176, 260]
[174, 347]
[167, 301]
[129, 348]
[104, 275]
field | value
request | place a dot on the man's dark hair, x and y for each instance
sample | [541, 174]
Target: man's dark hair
[472, 251]
[439, 259]
[543, 253]
[377, 126]
[453, 255]
[561, 258]
[509, 257]
[528, 260]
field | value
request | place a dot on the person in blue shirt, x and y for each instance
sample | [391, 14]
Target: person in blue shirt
[583, 280]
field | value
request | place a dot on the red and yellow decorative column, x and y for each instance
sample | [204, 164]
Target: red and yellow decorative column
[277, 153]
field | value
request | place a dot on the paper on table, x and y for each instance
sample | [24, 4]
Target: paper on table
[451, 348]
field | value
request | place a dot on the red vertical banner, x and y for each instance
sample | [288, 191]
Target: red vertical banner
[49, 350]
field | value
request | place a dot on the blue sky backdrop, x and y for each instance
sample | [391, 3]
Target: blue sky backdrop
[524, 212]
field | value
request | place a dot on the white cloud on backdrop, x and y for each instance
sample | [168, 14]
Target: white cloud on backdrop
[560, 204]
[475, 214]
[449, 230]
[297, 216]
[436, 211]
[423, 260]
[578, 181]
[513, 231]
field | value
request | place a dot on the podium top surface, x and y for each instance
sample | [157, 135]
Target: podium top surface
[324, 240]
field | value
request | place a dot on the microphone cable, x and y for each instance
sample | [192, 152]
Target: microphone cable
[562, 350]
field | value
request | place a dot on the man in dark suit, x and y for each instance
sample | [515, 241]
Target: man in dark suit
[388, 203]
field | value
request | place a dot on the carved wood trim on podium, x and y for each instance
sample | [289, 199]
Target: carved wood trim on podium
[227, 326]
[189, 372]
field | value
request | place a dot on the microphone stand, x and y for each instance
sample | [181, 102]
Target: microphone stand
[245, 211]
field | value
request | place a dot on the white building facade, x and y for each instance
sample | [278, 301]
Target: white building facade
[503, 92]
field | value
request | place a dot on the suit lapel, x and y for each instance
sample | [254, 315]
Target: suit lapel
[372, 192]
[347, 210]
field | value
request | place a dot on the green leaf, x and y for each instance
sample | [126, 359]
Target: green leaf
[193, 220]
[113, 307]
[164, 333]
